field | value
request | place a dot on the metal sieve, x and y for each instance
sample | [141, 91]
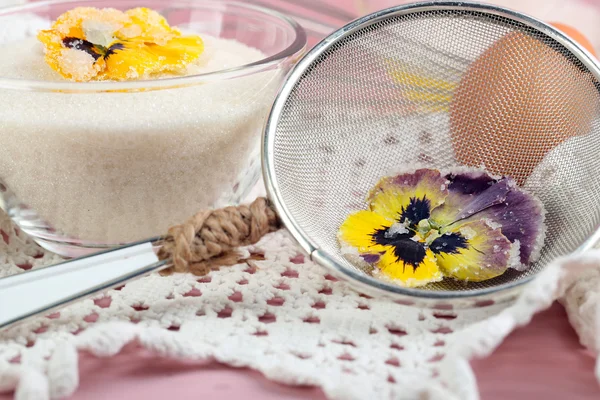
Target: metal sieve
[412, 85]
[406, 86]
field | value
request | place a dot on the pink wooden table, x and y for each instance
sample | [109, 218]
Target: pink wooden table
[541, 361]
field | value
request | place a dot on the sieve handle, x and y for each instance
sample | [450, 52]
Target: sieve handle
[43, 290]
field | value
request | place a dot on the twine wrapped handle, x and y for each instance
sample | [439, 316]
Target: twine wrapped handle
[209, 239]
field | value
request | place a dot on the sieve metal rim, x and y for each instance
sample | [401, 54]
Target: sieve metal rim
[268, 166]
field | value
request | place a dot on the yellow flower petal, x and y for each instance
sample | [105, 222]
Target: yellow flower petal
[138, 43]
[410, 195]
[154, 27]
[179, 51]
[53, 48]
[137, 60]
[70, 23]
[132, 62]
[394, 269]
[473, 251]
[358, 229]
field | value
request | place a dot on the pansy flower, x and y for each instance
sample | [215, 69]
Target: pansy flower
[87, 44]
[422, 226]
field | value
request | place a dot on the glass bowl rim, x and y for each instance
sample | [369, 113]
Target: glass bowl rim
[294, 49]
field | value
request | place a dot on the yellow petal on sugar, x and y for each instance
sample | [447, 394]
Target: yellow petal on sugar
[53, 47]
[178, 51]
[141, 45]
[69, 24]
[129, 63]
[154, 27]
[137, 60]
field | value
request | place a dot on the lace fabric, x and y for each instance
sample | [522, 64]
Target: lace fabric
[283, 315]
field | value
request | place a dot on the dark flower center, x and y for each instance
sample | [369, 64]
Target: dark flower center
[450, 243]
[412, 252]
[92, 49]
[405, 249]
[417, 210]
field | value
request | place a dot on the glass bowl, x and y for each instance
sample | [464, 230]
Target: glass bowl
[86, 166]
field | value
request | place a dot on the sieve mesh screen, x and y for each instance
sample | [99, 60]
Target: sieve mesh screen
[441, 88]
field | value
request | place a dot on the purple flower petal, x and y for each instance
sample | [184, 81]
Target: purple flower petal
[469, 182]
[521, 217]
[495, 194]
[371, 258]
[468, 194]
[475, 195]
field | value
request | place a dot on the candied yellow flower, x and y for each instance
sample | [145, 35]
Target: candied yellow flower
[422, 226]
[87, 44]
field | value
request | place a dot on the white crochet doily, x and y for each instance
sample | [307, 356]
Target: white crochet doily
[283, 316]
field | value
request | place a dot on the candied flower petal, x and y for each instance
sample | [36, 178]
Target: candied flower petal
[425, 225]
[472, 251]
[135, 44]
[519, 215]
[392, 267]
[408, 196]
[469, 194]
[134, 59]
[359, 231]
[153, 25]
